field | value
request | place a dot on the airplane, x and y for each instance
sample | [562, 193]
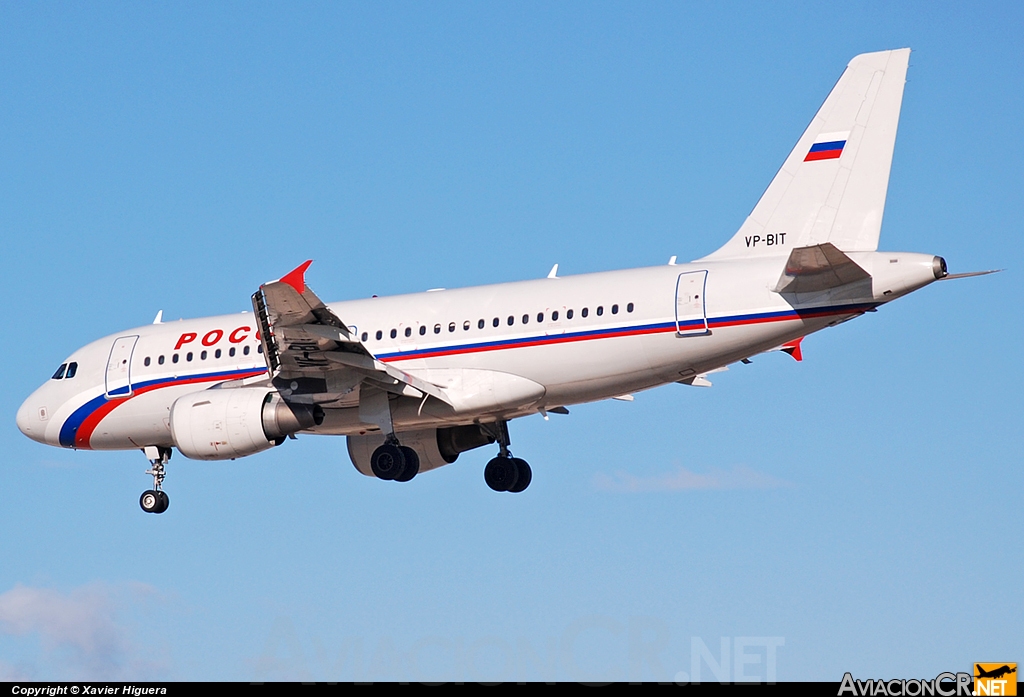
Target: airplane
[415, 380]
[995, 673]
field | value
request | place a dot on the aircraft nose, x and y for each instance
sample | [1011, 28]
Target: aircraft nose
[31, 419]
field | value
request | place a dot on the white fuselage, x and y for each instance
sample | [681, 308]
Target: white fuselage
[500, 351]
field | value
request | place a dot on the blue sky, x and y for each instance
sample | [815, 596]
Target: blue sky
[857, 507]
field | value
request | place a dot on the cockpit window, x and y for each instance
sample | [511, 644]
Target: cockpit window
[72, 369]
[60, 372]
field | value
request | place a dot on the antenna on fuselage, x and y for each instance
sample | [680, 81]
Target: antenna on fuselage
[553, 273]
[159, 319]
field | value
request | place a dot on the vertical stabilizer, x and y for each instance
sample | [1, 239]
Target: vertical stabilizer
[832, 186]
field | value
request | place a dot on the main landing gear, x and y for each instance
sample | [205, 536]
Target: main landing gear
[394, 461]
[155, 500]
[506, 473]
[391, 461]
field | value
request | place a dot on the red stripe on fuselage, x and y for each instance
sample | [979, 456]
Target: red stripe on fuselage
[84, 433]
[613, 334]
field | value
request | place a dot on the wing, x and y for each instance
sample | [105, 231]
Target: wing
[313, 356]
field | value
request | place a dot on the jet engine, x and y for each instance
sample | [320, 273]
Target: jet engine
[436, 447]
[230, 423]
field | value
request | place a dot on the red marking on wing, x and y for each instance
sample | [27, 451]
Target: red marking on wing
[297, 277]
[793, 349]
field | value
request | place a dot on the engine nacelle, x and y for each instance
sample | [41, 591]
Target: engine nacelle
[225, 424]
[435, 446]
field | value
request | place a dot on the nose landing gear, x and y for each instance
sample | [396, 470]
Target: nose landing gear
[506, 473]
[155, 500]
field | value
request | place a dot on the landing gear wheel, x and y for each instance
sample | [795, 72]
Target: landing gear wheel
[525, 475]
[501, 473]
[164, 502]
[150, 501]
[412, 464]
[388, 462]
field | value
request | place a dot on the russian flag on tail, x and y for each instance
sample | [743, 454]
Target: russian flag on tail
[827, 146]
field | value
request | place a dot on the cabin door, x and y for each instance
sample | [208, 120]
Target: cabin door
[691, 314]
[119, 367]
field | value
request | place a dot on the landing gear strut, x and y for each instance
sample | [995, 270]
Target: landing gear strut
[155, 500]
[505, 473]
[392, 461]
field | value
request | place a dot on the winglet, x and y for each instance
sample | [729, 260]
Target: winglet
[296, 278]
[793, 349]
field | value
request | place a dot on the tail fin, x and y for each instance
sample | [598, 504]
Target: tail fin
[832, 186]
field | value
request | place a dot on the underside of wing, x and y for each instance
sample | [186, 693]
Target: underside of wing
[313, 356]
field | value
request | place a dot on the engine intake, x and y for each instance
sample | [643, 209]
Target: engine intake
[225, 424]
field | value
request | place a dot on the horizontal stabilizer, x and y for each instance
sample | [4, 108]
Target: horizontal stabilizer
[817, 268]
[969, 274]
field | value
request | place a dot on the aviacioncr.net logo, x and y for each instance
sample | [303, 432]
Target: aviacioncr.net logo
[943, 685]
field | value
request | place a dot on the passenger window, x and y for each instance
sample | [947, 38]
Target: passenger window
[629, 307]
[408, 331]
[60, 372]
[465, 326]
[526, 319]
[245, 351]
[437, 328]
[146, 362]
[188, 356]
[480, 324]
[451, 326]
[394, 333]
[202, 356]
[259, 348]
[600, 310]
[496, 322]
[554, 316]
[615, 309]
[511, 320]
[174, 358]
[364, 338]
[423, 329]
[584, 312]
[568, 314]
[231, 351]
[160, 360]
[216, 354]
[380, 335]
[72, 369]
[540, 316]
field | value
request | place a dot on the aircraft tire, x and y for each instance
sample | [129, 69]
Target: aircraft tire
[387, 462]
[412, 464]
[501, 473]
[150, 501]
[165, 501]
[524, 475]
